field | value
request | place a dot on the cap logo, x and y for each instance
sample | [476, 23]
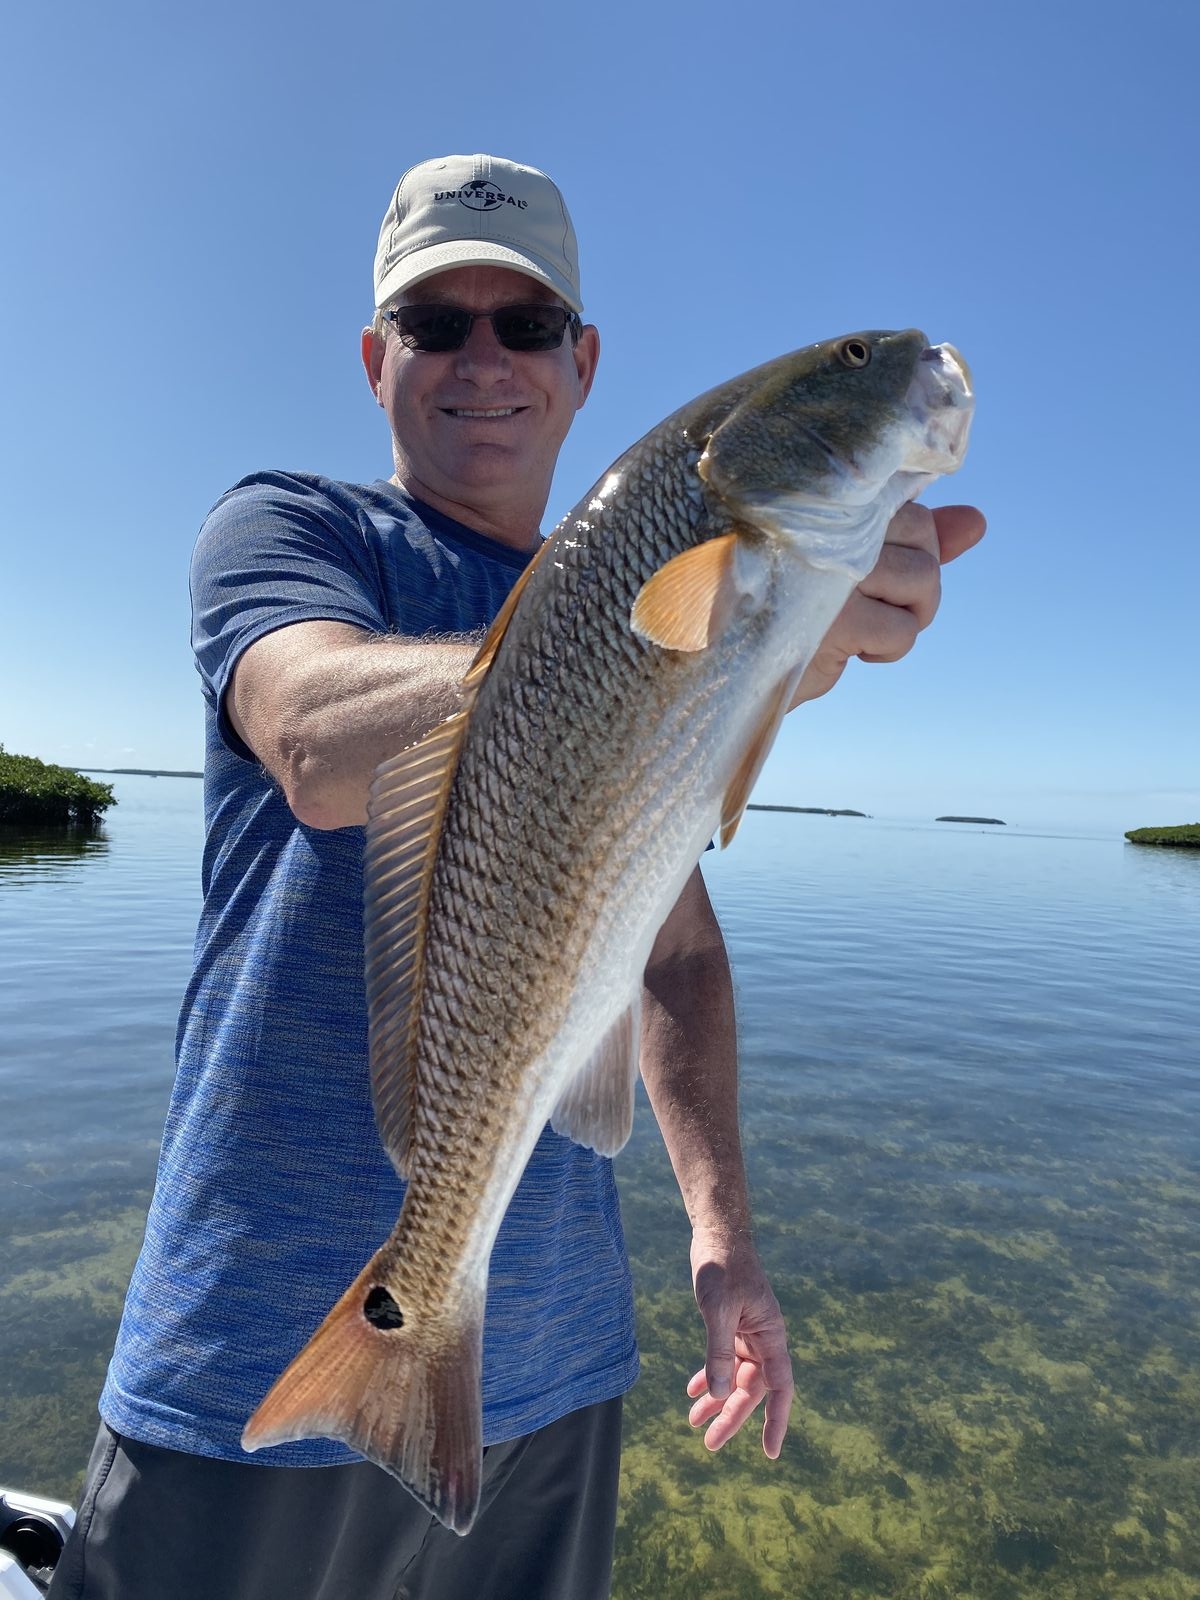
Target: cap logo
[481, 195]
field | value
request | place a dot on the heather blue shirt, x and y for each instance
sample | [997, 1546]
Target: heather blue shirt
[273, 1189]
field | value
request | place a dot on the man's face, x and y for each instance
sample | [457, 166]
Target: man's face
[476, 432]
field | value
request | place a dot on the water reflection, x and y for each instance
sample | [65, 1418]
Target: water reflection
[971, 1115]
[1163, 869]
[33, 856]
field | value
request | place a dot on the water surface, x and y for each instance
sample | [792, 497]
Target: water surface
[970, 1106]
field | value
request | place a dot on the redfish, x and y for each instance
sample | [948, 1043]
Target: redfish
[521, 859]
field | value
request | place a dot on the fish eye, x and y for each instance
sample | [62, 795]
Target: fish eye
[854, 352]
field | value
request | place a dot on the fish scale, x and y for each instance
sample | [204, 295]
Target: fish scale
[521, 859]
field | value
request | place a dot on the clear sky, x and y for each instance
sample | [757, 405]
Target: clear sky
[191, 197]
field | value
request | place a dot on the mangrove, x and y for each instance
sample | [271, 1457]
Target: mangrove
[37, 793]
[1185, 836]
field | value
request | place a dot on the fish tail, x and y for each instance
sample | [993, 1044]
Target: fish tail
[400, 1386]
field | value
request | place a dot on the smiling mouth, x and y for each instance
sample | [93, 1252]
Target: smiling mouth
[477, 411]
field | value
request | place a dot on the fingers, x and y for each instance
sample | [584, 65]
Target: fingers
[781, 1391]
[914, 526]
[876, 629]
[899, 597]
[906, 576]
[746, 1359]
[707, 1405]
[904, 589]
[736, 1410]
[755, 1380]
[945, 532]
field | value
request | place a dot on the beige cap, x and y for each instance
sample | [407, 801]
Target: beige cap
[467, 211]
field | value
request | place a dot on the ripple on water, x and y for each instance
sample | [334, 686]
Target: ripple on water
[970, 1111]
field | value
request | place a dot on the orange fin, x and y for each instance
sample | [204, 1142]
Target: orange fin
[751, 764]
[596, 1108]
[688, 604]
[405, 1397]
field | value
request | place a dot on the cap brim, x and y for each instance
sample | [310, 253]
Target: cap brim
[423, 264]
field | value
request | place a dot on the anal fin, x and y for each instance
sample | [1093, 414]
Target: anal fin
[596, 1109]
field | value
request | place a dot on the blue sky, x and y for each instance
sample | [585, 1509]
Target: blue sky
[191, 199]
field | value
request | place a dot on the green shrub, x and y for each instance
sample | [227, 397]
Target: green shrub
[33, 791]
[1188, 835]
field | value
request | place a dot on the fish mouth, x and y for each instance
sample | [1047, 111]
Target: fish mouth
[941, 403]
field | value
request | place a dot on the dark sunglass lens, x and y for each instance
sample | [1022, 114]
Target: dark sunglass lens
[530, 327]
[433, 328]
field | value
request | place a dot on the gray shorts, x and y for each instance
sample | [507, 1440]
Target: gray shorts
[158, 1524]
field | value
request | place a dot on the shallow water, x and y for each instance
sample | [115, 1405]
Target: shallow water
[970, 1107]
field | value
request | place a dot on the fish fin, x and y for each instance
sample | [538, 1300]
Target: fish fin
[596, 1108]
[751, 764]
[688, 604]
[405, 1396]
[405, 810]
[404, 821]
[478, 670]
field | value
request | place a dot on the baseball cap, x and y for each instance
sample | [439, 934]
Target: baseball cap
[466, 211]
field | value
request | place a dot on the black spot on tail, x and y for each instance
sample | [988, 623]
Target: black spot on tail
[381, 1311]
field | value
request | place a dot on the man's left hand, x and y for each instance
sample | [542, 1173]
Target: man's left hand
[899, 597]
[747, 1358]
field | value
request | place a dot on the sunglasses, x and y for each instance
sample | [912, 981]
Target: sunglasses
[434, 329]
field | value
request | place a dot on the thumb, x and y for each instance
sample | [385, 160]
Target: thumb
[720, 1326]
[959, 528]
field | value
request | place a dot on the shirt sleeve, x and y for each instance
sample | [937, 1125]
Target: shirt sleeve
[274, 550]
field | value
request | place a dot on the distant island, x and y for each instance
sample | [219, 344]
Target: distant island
[141, 772]
[994, 822]
[810, 811]
[1186, 836]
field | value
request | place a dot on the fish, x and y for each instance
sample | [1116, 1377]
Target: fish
[521, 858]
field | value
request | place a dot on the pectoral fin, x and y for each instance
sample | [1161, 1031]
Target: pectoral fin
[688, 604]
[597, 1107]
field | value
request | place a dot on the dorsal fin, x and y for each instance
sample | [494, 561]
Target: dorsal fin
[404, 822]
[405, 811]
[759, 747]
[689, 602]
[478, 670]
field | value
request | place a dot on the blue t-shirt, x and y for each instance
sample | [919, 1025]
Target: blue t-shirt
[273, 1188]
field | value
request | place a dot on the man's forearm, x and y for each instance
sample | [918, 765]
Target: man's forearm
[689, 1066]
[322, 704]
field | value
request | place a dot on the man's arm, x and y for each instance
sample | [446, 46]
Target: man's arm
[321, 704]
[689, 1066]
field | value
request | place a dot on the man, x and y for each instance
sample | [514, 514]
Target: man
[329, 624]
